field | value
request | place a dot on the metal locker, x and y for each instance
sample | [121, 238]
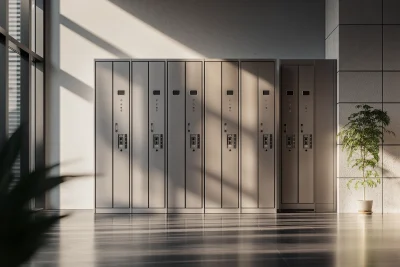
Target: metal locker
[194, 132]
[139, 136]
[289, 152]
[257, 136]
[157, 134]
[104, 134]
[212, 139]
[176, 135]
[249, 135]
[230, 134]
[308, 181]
[121, 74]
[266, 147]
[306, 121]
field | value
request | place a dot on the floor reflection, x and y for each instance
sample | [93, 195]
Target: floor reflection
[85, 239]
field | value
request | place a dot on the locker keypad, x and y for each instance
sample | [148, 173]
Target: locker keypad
[267, 141]
[307, 141]
[194, 141]
[290, 141]
[231, 141]
[158, 141]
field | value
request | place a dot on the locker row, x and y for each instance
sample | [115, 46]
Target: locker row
[214, 136]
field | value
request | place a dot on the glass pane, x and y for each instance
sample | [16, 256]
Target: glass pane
[3, 13]
[39, 31]
[14, 98]
[33, 25]
[14, 19]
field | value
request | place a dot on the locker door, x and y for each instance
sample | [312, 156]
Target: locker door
[213, 153]
[121, 134]
[266, 147]
[249, 134]
[104, 135]
[140, 141]
[306, 121]
[176, 135]
[230, 135]
[156, 134]
[289, 111]
[194, 130]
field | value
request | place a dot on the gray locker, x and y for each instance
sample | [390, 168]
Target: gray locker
[308, 135]
[121, 74]
[213, 133]
[289, 113]
[222, 136]
[306, 132]
[140, 135]
[194, 133]
[104, 134]
[258, 136]
[112, 136]
[176, 135]
[157, 134]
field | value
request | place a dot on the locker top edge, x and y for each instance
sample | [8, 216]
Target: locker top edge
[185, 59]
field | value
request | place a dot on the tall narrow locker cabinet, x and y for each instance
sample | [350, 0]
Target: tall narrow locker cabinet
[112, 147]
[221, 136]
[308, 135]
[258, 168]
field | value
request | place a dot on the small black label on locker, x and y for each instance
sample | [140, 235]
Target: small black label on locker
[193, 92]
[229, 92]
[289, 92]
[175, 92]
[265, 92]
[156, 92]
[306, 92]
[121, 92]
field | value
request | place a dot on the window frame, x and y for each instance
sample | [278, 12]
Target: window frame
[32, 155]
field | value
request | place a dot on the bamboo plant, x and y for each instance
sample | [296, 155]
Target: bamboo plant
[361, 138]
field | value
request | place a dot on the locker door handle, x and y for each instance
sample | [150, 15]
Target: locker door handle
[285, 128]
[152, 127]
[116, 127]
[301, 127]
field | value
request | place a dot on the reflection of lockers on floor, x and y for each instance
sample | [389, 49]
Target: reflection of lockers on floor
[308, 126]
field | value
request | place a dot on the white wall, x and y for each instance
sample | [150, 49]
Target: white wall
[79, 31]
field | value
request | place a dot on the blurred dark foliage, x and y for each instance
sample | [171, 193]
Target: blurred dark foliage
[22, 230]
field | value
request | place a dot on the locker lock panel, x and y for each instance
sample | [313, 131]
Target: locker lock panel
[122, 142]
[290, 141]
[158, 141]
[231, 141]
[194, 142]
[307, 141]
[267, 142]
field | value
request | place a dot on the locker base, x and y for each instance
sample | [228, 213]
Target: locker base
[296, 206]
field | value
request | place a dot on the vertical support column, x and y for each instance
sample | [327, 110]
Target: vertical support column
[4, 85]
[157, 134]
[140, 135]
[230, 135]
[176, 135]
[289, 111]
[213, 153]
[249, 135]
[121, 92]
[266, 146]
[306, 134]
[194, 132]
[104, 134]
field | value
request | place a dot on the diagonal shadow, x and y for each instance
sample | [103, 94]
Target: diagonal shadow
[92, 37]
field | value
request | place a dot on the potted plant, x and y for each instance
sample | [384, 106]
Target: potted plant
[360, 138]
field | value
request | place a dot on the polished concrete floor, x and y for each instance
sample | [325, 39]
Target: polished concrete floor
[353, 240]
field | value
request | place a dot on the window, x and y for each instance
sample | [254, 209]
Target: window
[22, 79]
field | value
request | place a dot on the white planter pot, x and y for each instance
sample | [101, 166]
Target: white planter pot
[365, 206]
